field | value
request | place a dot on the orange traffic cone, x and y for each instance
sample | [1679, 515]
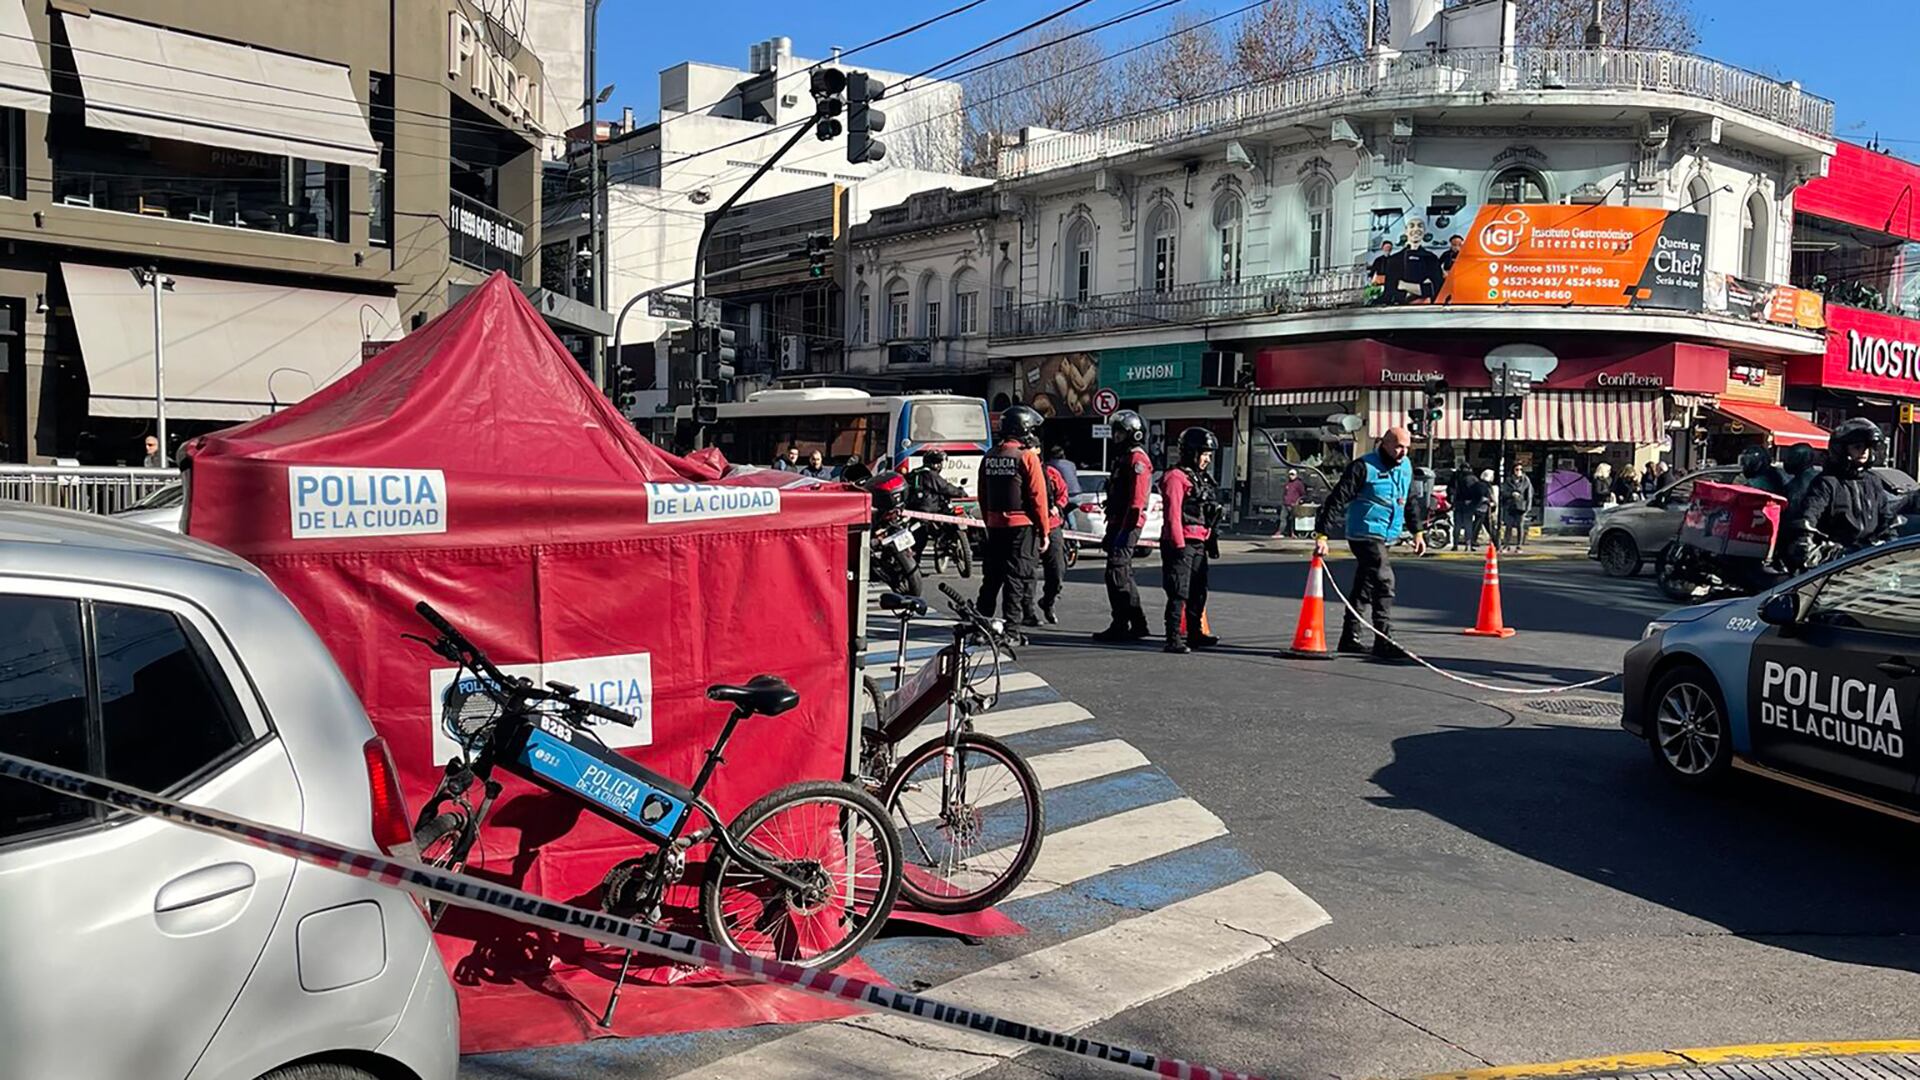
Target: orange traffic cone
[1490, 623]
[1310, 633]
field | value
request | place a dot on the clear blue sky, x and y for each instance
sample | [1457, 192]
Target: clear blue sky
[1859, 53]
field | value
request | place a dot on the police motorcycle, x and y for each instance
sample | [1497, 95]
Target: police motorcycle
[893, 562]
[948, 542]
[1728, 540]
[1810, 545]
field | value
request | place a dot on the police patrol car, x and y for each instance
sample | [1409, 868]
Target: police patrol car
[1815, 683]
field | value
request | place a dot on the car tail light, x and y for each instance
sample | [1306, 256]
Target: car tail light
[392, 825]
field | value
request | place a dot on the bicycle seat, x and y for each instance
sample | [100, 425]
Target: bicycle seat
[896, 603]
[767, 695]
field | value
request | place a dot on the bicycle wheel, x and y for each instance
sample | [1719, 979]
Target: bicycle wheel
[963, 555]
[969, 855]
[833, 836]
[445, 842]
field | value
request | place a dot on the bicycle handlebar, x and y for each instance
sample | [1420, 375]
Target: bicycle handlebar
[519, 690]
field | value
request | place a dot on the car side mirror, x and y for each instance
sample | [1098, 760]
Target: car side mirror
[1784, 609]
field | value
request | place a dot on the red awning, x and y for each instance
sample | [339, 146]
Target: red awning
[1786, 428]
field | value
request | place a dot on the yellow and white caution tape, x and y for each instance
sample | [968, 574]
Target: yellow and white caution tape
[426, 881]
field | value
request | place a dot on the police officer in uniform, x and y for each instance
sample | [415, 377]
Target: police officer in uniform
[1053, 557]
[1373, 494]
[1013, 499]
[1192, 513]
[1125, 502]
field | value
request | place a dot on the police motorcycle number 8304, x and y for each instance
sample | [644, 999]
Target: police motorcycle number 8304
[561, 757]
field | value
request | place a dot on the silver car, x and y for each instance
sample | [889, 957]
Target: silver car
[137, 948]
[1627, 536]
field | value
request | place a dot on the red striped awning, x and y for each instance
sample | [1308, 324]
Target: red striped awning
[1787, 428]
[1572, 416]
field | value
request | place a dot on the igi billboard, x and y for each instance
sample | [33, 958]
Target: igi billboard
[1581, 256]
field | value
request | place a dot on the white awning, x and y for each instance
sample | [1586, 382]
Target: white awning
[1572, 416]
[234, 349]
[23, 75]
[169, 85]
[1304, 397]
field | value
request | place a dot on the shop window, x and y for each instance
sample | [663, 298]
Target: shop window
[1518, 185]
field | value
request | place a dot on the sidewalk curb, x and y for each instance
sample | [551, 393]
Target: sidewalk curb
[1647, 1061]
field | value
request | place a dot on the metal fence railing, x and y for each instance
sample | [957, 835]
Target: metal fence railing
[1463, 73]
[88, 490]
[1186, 305]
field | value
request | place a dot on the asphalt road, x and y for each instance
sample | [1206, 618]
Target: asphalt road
[1505, 885]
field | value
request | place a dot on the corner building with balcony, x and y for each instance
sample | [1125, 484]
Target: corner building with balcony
[310, 182]
[1249, 222]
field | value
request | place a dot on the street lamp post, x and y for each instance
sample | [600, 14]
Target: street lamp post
[151, 277]
[597, 265]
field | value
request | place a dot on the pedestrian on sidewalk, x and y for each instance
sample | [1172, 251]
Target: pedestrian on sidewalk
[1460, 495]
[1291, 497]
[1372, 494]
[1125, 505]
[1516, 502]
[1192, 512]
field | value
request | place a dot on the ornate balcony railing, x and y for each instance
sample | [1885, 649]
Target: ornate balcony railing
[1185, 305]
[1456, 72]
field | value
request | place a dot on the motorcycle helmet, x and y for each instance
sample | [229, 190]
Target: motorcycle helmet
[1849, 435]
[1195, 441]
[934, 458]
[1128, 429]
[1021, 423]
[1797, 459]
[1754, 461]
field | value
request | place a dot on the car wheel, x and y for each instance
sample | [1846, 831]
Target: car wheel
[1619, 555]
[319, 1070]
[1689, 735]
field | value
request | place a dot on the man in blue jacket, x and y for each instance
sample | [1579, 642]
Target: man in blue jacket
[1374, 494]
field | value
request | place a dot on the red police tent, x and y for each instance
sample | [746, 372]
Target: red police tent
[473, 465]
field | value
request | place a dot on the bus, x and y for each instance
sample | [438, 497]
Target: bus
[843, 422]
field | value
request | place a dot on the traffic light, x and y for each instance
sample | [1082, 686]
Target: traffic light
[1436, 400]
[723, 354]
[863, 120]
[625, 388]
[819, 250]
[828, 86]
[1417, 422]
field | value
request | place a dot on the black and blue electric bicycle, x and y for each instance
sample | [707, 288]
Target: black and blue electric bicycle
[806, 875]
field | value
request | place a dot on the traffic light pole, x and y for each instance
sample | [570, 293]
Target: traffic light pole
[702, 368]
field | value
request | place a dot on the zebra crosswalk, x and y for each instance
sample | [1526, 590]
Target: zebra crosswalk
[1138, 892]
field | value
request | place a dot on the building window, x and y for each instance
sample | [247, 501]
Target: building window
[863, 316]
[13, 154]
[1319, 224]
[1227, 225]
[1754, 247]
[1700, 201]
[379, 181]
[966, 313]
[1163, 226]
[897, 316]
[1518, 185]
[931, 319]
[1077, 251]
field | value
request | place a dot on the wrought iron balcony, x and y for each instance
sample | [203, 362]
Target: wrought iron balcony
[1186, 305]
[1460, 73]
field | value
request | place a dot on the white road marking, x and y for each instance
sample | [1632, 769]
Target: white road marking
[1087, 762]
[1123, 839]
[1068, 987]
[1004, 722]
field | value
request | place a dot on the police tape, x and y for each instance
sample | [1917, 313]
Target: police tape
[976, 523]
[426, 881]
[1418, 659]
